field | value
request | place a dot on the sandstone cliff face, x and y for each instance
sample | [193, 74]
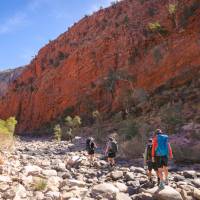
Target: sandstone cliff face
[77, 68]
[7, 77]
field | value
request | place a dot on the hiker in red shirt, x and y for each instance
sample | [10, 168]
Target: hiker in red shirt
[161, 151]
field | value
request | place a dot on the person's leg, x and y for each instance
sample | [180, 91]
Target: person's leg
[158, 178]
[165, 169]
[113, 161]
[149, 172]
[160, 172]
[109, 160]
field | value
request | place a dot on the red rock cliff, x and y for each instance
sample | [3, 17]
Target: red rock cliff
[72, 69]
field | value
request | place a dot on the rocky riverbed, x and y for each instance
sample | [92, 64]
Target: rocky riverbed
[48, 170]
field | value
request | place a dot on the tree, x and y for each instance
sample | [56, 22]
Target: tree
[113, 77]
[7, 129]
[157, 28]
[172, 11]
[11, 124]
[73, 122]
[98, 119]
[57, 132]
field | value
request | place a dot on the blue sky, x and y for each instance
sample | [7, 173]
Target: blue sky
[27, 25]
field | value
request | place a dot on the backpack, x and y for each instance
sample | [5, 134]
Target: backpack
[162, 148]
[149, 151]
[89, 145]
[113, 147]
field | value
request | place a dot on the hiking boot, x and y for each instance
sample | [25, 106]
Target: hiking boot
[161, 186]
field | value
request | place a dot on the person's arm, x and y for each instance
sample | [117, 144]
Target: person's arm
[170, 151]
[145, 156]
[153, 149]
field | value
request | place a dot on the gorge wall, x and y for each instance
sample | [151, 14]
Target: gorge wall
[7, 77]
[79, 69]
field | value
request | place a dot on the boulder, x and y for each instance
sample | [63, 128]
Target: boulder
[122, 196]
[130, 176]
[142, 196]
[196, 182]
[121, 186]
[49, 172]
[6, 179]
[104, 189]
[168, 193]
[137, 170]
[115, 175]
[73, 182]
[20, 192]
[189, 174]
[196, 193]
[53, 195]
[32, 170]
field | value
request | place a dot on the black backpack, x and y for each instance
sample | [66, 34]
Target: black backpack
[89, 145]
[114, 147]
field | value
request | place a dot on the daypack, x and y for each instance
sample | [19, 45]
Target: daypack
[149, 151]
[113, 147]
[162, 148]
[89, 145]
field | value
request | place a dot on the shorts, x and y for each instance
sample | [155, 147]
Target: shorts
[91, 152]
[152, 165]
[111, 155]
[161, 161]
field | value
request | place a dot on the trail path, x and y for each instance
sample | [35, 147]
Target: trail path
[47, 170]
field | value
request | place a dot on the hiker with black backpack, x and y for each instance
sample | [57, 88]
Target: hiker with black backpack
[111, 151]
[148, 161]
[90, 148]
[161, 152]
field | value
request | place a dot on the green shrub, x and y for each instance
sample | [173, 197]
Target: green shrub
[61, 55]
[39, 184]
[172, 9]
[57, 132]
[73, 122]
[172, 118]
[129, 130]
[154, 26]
[126, 20]
[98, 122]
[157, 28]
[7, 129]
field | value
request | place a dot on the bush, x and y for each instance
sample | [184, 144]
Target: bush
[129, 130]
[57, 132]
[157, 28]
[73, 122]
[99, 122]
[39, 184]
[61, 55]
[154, 26]
[7, 129]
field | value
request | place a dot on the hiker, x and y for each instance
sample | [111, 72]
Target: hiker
[90, 148]
[161, 151]
[148, 161]
[111, 150]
